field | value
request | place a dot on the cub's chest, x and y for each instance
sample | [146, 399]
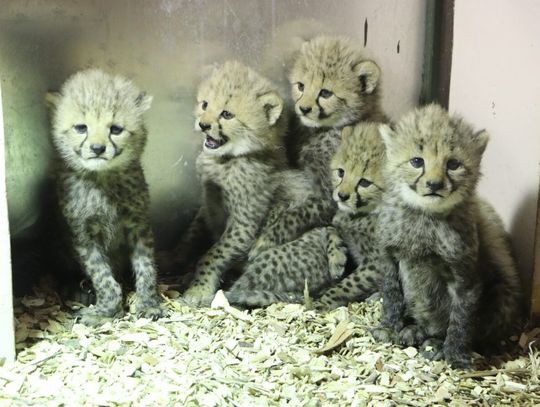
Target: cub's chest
[235, 177]
[412, 235]
[83, 200]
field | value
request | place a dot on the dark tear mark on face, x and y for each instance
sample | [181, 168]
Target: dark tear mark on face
[397, 48]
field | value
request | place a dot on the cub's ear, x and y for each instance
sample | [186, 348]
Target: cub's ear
[273, 106]
[368, 73]
[346, 132]
[481, 139]
[143, 101]
[388, 134]
[52, 99]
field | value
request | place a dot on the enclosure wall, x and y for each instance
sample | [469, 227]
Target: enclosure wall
[494, 84]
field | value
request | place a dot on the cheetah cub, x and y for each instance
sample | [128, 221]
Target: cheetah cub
[450, 281]
[333, 86]
[99, 136]
[356, 170]
[240, 168]
[280, 274]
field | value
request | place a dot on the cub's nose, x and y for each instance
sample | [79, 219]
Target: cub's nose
[98, 149]
[343, 196]
[305, 110]
[435, 185]
[204, 126]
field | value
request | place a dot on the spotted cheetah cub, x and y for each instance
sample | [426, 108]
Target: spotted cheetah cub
[356, 170]
[241, 168]
[333, 86]
[450, 281]
[99, 136]
[280, 274]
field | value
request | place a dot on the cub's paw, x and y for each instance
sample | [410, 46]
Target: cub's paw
[148, 309]
[457, 358]
[432, 349]
[384, 334]
[198, 296]
[95, 316]
[411, 335]
[336, 262]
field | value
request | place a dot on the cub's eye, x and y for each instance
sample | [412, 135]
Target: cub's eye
[452, 164]
[340, 172]
[364, 183]
[204, 105]
[417, 162]
[80, 128]
[227, 115]
[116, 129]
[300, 86]
[325, 93]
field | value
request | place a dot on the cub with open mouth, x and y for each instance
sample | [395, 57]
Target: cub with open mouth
[242, 168]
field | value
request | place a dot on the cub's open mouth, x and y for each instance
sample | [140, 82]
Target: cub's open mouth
[212, 143]
[434, 195]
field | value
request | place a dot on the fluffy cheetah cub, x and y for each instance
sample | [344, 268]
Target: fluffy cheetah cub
[99, 135]
[333, 86]
[450, 281]
[358, 187]
[240, 167]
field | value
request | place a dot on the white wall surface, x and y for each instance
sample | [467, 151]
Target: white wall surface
[495, 84]
[7, 338]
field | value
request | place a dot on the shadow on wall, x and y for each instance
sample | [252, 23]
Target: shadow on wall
[523, 244]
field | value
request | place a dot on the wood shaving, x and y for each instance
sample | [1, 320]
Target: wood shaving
[285, 354]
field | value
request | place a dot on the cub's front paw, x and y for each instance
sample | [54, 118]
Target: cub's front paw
[411, 335]
[94, 316]
[384, 334]
[457, 358]
[198, 296]
[148, 309]
[432, 349]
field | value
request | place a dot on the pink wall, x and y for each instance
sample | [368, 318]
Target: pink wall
[495, 84]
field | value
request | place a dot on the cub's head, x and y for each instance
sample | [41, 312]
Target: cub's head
[238, 111]
[433, 159]
[97, 121]
[333, 85]
[357, 168]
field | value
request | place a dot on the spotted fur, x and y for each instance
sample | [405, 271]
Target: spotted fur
[315, 259]
[242, 169]
[333, 85]
[450, 280]
[356, 170]
[99, 135]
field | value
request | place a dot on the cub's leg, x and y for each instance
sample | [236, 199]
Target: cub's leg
[336, 252]
[232, 246]
[393, 304]
[464, 295]
[357, 286]
[280, 273]
[141, 243]
[108, 291]
[291, 223]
